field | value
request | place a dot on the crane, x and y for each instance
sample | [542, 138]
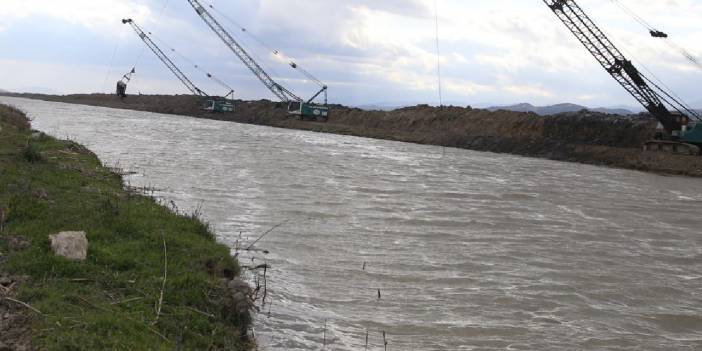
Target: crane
[212, 104]
[166, 61]
[682, 127]
[296, 105]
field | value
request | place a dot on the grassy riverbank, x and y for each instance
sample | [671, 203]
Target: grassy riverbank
[153, 279]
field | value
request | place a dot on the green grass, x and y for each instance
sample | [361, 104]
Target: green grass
[110, 300]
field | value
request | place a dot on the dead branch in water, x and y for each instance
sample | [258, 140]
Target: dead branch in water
[266, 233]
[366, 349]
[265, 285]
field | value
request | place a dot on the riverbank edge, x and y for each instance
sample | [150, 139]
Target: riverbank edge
[154, 277]
[585, 137]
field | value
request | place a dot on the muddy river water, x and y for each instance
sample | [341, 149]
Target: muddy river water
[469, 250]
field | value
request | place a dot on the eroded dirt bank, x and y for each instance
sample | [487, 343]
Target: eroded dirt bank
[584, 137]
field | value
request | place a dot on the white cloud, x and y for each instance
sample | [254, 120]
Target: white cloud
[589, 97]
[535, 90]
[500, 49]
[465, 87]
[101, 16]
[24, 76]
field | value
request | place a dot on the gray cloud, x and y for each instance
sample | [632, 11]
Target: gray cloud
[496, 51]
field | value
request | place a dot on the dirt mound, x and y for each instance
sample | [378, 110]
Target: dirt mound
[585, 136]
[592, 128]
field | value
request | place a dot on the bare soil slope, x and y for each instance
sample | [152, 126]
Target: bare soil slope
[586, 137]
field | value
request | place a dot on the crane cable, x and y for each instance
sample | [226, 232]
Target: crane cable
[681, 106]
[688, 55]
[109, 68]
[659, 34]
[141, 53]
[195, 65]
[259, 41]
[676, 104]
[635, 16]
[438, 52]
[438, 75]
[143, 48]
[658, 83]
[274, 51]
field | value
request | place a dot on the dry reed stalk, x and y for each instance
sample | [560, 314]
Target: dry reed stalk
[165, 276]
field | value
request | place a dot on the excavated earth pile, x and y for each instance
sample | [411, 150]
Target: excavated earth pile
[585, 137]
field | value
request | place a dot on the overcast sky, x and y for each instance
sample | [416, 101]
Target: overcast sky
[367, 51]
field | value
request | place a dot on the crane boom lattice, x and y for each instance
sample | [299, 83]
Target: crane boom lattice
[278, 90]
[167, 61]
[612, 60]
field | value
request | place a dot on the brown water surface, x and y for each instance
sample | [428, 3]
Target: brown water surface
[470, 250]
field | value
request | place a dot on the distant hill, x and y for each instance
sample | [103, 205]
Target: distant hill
[559, 108]
[38, 90]
[3, 91]
[389, 106]
[524, 107]
[381, 106]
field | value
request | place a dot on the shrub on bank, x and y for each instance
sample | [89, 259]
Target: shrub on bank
[14, 117]
[31, 154]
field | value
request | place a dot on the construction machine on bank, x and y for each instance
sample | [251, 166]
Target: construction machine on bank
[680, 127]
[296, 105]
[210, 103]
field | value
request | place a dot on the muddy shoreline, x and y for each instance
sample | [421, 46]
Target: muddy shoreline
[583, 137]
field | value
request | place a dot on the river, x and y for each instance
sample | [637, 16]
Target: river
[468, 250]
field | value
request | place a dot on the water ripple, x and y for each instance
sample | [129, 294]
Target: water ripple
[471, 251]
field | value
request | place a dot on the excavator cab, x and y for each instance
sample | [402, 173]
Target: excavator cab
[685, 140]
[218, 105]
[122, 84]
[295, 108]
[315, 111]
[692, 133]
[306, 110]
[121, 89]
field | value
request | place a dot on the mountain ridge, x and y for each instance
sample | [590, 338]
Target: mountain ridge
[549, 110]
[546, 110]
